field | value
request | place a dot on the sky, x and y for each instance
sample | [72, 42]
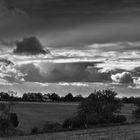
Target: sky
[70, 46]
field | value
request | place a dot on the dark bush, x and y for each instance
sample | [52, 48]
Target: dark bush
[14, 120]
[73, 122]
[119, 119]
[67, 123]
[34, 130]
[51, 127]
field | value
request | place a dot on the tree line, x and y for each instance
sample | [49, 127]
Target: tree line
[53, 97]
[39, 97]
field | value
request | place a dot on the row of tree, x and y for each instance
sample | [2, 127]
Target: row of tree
[53, 97]
[39, 97]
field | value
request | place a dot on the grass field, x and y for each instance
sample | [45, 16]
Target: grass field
[36, 114]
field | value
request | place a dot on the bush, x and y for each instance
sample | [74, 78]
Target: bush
[14, 120]
[119, 119]
[73, 122]
[51, 127]
[34, 130]
[67, 123]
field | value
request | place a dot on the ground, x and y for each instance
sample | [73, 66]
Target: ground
[36, 114]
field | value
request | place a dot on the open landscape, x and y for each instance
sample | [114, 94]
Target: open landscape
[69, 69]
[36, 114]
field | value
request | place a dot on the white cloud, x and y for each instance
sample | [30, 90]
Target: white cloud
[123, 78]
[78, 84]
[9, 74]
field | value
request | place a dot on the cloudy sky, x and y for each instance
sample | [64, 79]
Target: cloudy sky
[72, 46]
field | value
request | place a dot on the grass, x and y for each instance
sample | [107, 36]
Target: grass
[33, 115]
[36, 114]
[127, 111]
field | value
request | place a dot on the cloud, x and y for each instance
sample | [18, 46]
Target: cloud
[6, 12]
[30, 46]
[10, 74]
[78, 84]
[123, 78]
[63, 72]
[5, 62]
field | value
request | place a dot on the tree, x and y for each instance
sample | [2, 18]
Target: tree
[78, 98]
[69, 98]
[54, 97]
[99, 107]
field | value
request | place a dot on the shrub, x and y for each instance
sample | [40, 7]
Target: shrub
[51, 127]
[73, 122]
[67, 123]
[34, 130]
[14, 120]
[119, 119]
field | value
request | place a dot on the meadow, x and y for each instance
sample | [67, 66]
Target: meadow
[36, 114]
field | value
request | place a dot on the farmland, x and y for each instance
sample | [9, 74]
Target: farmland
[125, 132]
[36, 114]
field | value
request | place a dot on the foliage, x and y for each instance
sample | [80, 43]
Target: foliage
[54, 97]
[34, 130]
[69, 98]
[118, 119]
[14, 120]
[32, 97]
[51, 126]
[99, 108]
[73, 122]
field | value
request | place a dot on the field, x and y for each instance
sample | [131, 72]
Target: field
[36, 114]
[124, 132]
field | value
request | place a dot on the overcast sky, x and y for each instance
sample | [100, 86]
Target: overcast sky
[72, 46]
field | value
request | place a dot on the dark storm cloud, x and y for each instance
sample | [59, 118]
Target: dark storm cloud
[73, 22]
[63, 72]
[30, 46]
[71, 7]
